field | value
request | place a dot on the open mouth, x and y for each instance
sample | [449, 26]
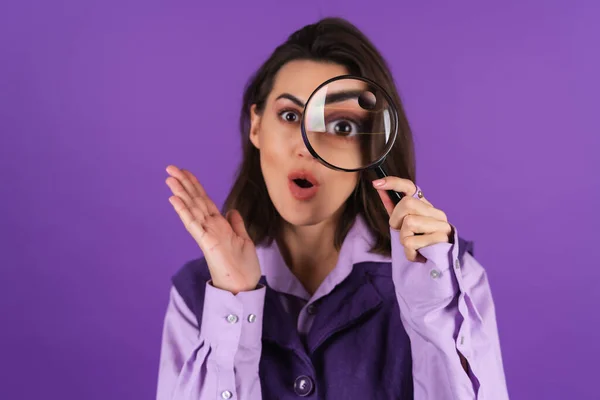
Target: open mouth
[303, 183]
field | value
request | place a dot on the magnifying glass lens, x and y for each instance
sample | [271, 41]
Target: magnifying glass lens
[349, 123]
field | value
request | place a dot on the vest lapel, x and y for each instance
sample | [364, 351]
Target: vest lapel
[352, 300]
[278, 326]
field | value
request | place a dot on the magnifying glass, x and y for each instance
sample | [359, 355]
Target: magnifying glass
[349, 124]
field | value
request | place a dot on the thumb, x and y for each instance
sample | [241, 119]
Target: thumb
[237, 223]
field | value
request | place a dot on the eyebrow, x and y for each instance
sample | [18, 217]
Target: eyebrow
[291, 98]
[331, 98]
[343, 96]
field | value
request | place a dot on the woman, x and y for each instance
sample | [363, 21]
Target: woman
[329, 291]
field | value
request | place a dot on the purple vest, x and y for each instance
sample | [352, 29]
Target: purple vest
[357, 347]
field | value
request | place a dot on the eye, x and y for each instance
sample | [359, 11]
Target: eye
[343, 127]
[289, 116]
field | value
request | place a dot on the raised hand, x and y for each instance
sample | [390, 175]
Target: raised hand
[229, 251]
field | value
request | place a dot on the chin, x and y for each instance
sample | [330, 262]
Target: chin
[302, 218]
[305, 213]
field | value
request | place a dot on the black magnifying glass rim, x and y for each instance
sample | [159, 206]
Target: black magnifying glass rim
[389, 145]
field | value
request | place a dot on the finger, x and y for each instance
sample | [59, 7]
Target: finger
[424, 199]
[191, 223]
[195, 193]
[183, 178]
[418, 224]
[415, 242]
[397, 184]
[206, 205]
[197, 187]
[237, 224]
[189, 184]
[410, 205]
[198, 206]
[414, 255]
[178, 190]
[387, 202]
[199, 196]
[200, 192]
[211, 207]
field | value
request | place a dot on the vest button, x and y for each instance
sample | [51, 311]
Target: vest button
[303, 386]
[311, 309]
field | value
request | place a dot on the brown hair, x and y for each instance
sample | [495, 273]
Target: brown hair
[329, 40]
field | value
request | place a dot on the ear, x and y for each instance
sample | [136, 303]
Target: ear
[254, 126]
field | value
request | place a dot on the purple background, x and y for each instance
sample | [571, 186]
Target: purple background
[97, 97]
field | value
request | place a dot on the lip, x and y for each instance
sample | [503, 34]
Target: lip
[303, 174]
[303, 193]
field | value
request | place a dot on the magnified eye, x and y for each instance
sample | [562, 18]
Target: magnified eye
[342, 127]
[348, 123]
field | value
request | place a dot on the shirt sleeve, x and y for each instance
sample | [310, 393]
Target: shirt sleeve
[218, 361]
[447, 309]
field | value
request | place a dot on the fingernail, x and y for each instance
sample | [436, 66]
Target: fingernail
[378, 182]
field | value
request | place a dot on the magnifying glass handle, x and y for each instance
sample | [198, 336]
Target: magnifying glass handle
[395, 196]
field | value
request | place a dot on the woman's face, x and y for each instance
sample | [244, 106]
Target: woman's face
[303, 190]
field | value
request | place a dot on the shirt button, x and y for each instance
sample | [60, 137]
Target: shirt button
[456, 264]
[251, 318]
[434, 273]
[311, 309]
[226, 394]
[303, 386]
[232, 318]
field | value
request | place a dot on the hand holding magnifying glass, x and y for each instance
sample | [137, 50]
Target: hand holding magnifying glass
[350, 124]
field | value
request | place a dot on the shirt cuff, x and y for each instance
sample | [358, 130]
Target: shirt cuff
[424, 282]
[230, 320]
[441, 254]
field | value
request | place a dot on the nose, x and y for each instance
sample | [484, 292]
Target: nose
[300, 149]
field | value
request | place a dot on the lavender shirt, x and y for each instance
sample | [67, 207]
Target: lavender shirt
[196, 364]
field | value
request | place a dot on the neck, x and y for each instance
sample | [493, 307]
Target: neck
[309, 251]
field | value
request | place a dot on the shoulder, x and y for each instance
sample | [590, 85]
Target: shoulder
[190, 284]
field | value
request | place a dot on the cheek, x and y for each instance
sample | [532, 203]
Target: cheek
[342, 184]
[274, 134]
[274, 159]
[269, 162]
[275, 144]
[272, 150]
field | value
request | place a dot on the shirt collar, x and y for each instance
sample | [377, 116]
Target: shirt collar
[355, 249]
